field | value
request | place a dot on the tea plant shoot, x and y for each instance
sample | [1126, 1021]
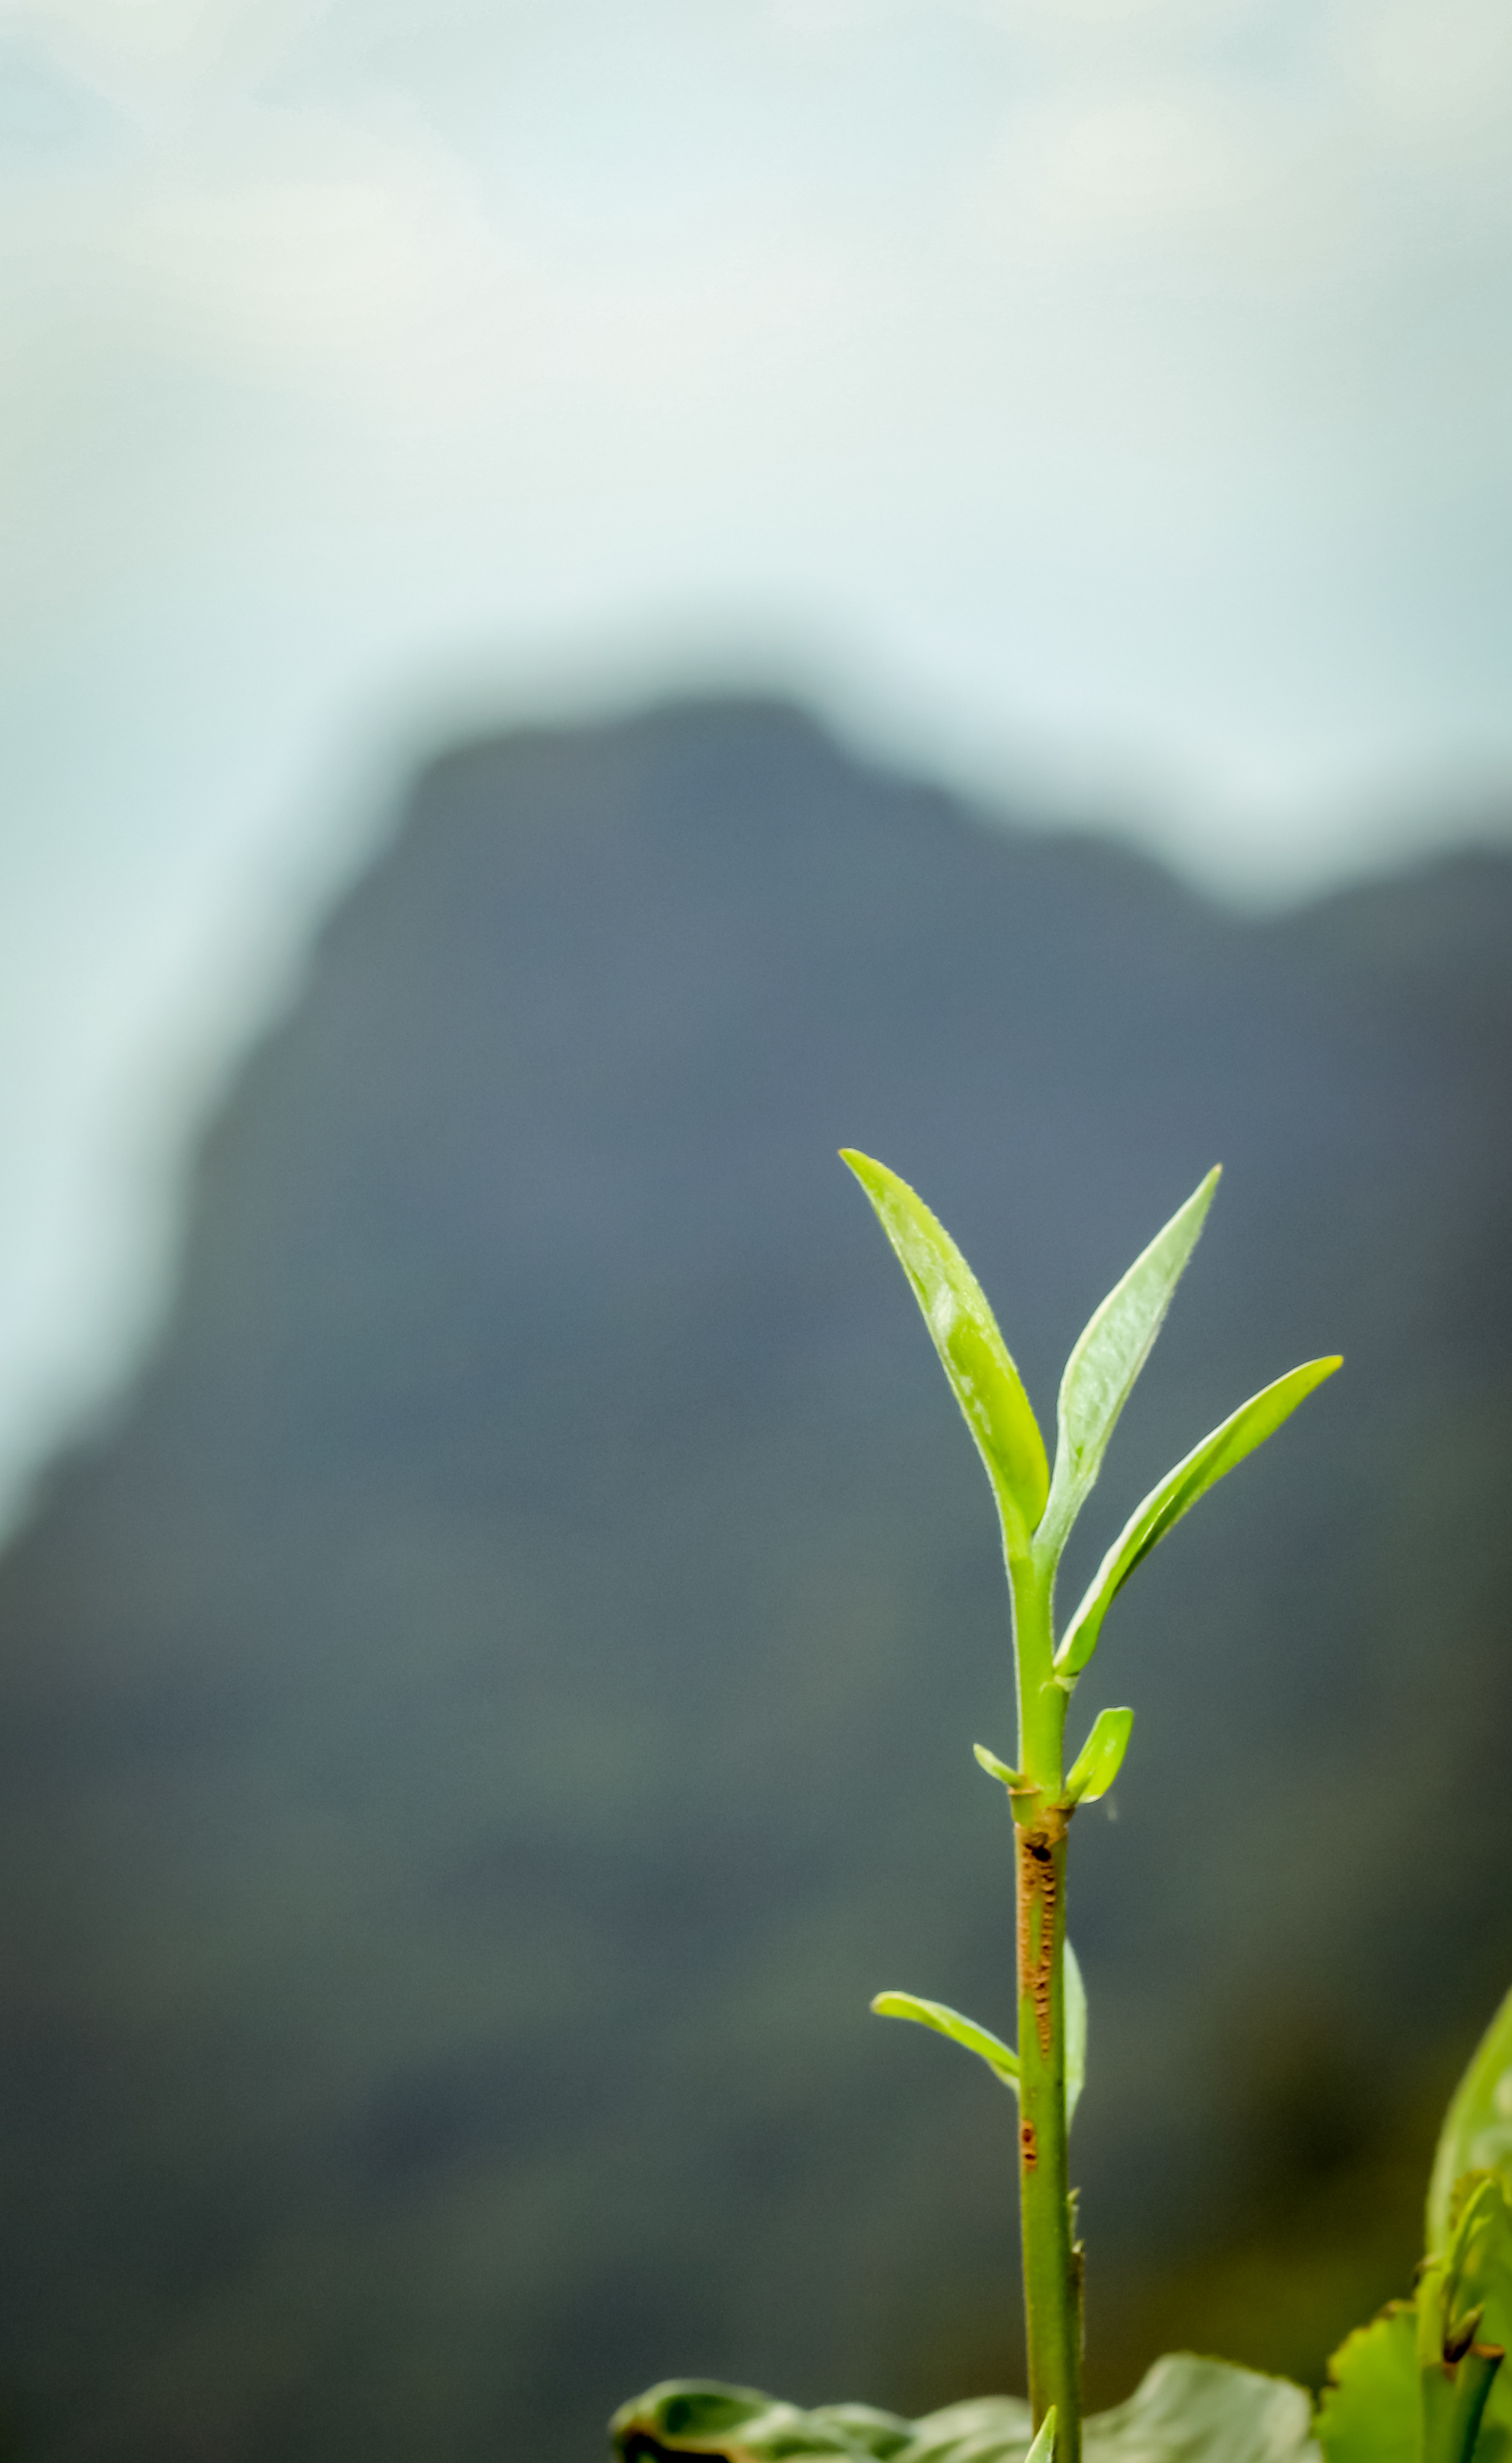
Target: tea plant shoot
[1422, 2383]
[1036, 1509]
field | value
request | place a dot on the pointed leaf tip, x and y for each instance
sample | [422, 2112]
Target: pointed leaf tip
[977, 1361]
[1111, 1351]
[1043, 2450]
[1177, 1492]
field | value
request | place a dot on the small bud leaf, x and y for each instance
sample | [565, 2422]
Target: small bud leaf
[1011, 1778]
[1101, 1758]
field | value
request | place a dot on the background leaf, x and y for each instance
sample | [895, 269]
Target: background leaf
[1111, 1351]
[1191, 2410]
[1370, 2407]
[1186, 2410]
[1177, 1492]
[701, 2416]
[1477, 2135]
[975, 1358]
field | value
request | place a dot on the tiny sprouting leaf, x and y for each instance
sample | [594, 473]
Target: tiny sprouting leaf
[1110, 1353]
[995, 1768]
[1477, 2135]
[1462, 2304]
[975, 1358]
[1479, 2259]
[1043, 2450]
[1176, 1493]
[1101, 1758]
[1467, 2296]
[1074, 1993]
[945, 2022]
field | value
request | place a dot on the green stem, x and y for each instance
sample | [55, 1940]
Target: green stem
[1052, 2264]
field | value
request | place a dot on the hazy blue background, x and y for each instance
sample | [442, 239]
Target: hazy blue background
[1106, 400]
[484, 1713]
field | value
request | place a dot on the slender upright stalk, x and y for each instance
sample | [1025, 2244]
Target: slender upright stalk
[1051, 2262]
[1037, 1509]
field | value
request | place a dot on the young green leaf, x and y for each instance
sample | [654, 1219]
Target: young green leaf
[1176, 1493]
[945, 2022]
[975, 1358]
[1098, 1763]
[1477, 2135]
[1109, 1355]
[1075, 1997]
[1003, 2065]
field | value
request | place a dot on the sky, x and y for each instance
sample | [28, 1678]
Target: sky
[1104, 403]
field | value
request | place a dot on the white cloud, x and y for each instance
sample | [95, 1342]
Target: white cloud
[157, 61]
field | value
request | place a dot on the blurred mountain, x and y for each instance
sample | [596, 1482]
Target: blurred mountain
[478, 1730]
